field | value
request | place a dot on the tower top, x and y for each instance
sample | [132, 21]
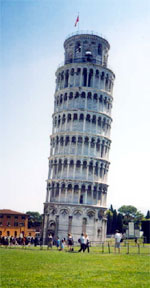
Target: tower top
[85, 46]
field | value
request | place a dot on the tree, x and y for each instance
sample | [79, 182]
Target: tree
[111, 208]
[119, 223]
[129, 210]
[34, 219]
[130, 213]
[148, 215]
[109, 221]
[114, 222]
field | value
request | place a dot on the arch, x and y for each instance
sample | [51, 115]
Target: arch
[81, 118]
[89, 95]
[102, 75]
[66, 78]
[62, 75]
[61, 98]
[99, 121]
[83, 95]
[92, 142]
[96, 168]
[77, 213]
[77, 47]
[89, 188]
[61, 140]
[77, 95]
[57, 100]
[91, 164]
[70, 95]
[105, 100]
[65, 97]
[62, 185]
[100, 49]
[73, 139]
[72, 72]
[59, 120]
[55, 121]
[101, 98]
[97, 73]
[86, 140]
[104, 122]
[75, 116]
[84, 164]
[83, 188]
[64, 212]
[69, 186]
[88, 117]
[79, 139]
[69, 117]
[78, 164]
[84, 76]
[78, 71]
[94, 119]
[57, 140]
[90, 77]
[67, 140]
[76, 187]
[65, 162]
[63, 118]
[95, 97]
[71, 162]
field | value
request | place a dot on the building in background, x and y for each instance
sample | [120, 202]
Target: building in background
[15, 224]
[80, 141]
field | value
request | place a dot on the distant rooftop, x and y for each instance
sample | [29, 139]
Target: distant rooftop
[8, 211]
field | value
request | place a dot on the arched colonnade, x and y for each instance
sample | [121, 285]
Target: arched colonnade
[84, 76]
[89, 194]
[78, 169]
[83, 100]
[84, 145]
[78, 121]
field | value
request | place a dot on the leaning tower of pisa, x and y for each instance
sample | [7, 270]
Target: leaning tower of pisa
[80, 141]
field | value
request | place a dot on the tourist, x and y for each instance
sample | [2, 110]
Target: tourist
[62, 245]
[50, 241]
[58, 243]
[118, 237]
[87, 243]
[82, 243]
[70, 242]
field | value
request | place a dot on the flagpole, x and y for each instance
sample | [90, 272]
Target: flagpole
[78, 22]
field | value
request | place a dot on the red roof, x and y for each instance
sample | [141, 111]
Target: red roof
[8, 211]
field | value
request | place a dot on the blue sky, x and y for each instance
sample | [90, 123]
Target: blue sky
[32, 36]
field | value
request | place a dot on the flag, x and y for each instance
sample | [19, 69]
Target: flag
[77, 20]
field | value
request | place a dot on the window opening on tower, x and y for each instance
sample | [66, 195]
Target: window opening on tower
[78, 47]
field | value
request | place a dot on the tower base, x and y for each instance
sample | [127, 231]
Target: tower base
[61, 219]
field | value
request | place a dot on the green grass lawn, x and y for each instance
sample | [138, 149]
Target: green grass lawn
[41, 268]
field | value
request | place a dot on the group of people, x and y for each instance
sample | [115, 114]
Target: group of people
[22, 241]
[61, 244]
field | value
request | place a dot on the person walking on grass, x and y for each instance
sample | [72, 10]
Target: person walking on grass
[62, 246]
[118, 237]
[87, 243]
[70, 242]
[50, 241]
[82, 243]
[58, 243]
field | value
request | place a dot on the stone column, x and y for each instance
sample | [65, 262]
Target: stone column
[56, 227]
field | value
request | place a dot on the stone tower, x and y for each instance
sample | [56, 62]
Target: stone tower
[80, 141]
